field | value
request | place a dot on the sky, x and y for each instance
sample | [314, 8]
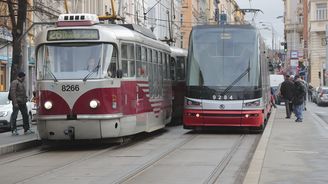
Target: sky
[271, 10]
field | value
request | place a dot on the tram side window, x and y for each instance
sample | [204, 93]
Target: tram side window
[155, 76]
[180, 68]
[172, 68]
[150, 71]
[168, 66]
[164, 66]
[111, 70]
[144, 61]
[160, 75]
[140, 71]
[128, 62]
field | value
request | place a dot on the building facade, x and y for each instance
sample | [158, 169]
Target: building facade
[293, 32]
[198, 12]
[318, 19]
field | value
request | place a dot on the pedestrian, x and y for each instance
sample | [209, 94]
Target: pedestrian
[306, 87]
[18, 96]
[310, 91]
[286, 92]
[272, 99]
[298, 98]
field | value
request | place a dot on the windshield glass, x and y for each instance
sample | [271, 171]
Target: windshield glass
[219, 56]
[73, 60]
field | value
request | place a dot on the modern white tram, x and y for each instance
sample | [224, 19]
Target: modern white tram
[98, 81]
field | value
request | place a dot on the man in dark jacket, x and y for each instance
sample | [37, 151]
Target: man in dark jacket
[19, 99]
[286, 92]
[298, 98]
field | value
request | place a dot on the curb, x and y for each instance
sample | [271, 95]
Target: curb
[254, 171]
[10, 148]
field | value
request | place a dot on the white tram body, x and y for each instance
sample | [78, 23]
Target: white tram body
[126, 90]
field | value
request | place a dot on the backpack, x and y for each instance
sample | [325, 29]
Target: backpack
[9, 95]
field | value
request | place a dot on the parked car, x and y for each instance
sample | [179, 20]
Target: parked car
[33, 107]
[315, 94]
[275, 82]
[322, 95]
[276, 92]
[6, 110]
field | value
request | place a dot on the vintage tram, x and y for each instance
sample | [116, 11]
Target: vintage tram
[97, 81]
[178, 69]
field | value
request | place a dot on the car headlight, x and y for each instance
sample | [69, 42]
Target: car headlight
[94, 104]
[255, 103]
[48, 105]
[3, 113]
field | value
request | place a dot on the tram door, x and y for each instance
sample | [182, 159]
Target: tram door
[2, 77]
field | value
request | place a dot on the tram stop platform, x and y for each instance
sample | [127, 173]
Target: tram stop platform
[9, 143]
[290, 152]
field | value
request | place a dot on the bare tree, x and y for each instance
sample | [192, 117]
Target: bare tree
[17, 13]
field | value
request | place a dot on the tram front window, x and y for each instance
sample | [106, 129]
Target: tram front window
[74, 60]
[219, 56]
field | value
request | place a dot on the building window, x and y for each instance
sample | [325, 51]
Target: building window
[321, 11]
[300, 19]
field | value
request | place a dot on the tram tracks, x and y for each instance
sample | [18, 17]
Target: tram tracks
[163, 149]
[215, 174]
[81, 159]
[152, 161]
[212, 177]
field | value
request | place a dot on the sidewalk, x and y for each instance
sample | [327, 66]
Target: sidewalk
[291, 152]
[9, 143]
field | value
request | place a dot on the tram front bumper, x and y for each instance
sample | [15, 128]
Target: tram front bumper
[82, 129]
[234, 118]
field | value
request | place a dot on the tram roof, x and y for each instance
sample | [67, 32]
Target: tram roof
[219, 26]
[112, 33]
[176, 51]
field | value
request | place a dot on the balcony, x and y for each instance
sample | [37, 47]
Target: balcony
[318, 26]
[294, 27]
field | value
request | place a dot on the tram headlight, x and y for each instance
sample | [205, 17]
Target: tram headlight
[47, 105]
[255, 103]
[94, 104]
[189, 102]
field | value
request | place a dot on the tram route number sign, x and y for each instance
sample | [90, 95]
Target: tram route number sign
[73, 34]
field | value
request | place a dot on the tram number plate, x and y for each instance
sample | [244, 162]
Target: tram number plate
[70, 87]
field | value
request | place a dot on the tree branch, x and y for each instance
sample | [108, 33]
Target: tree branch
[12, 14]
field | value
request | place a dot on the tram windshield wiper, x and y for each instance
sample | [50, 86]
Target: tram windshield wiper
[238, 78]
[96, 69]
[51, 74]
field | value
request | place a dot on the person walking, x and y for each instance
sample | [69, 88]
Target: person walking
[298, 98]
[18, 96]
[306, 91]
[286, 92]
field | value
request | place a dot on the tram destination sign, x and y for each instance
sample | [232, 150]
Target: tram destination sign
[73, 34]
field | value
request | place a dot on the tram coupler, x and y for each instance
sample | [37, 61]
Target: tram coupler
[70, 132]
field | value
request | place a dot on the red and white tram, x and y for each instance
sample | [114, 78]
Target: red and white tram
[227, 78]
[178, 75]
[98, 81]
